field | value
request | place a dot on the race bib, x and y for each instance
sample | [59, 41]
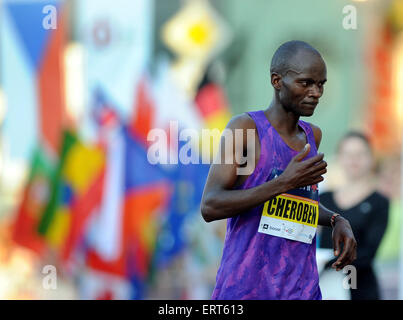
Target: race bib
[292, 215]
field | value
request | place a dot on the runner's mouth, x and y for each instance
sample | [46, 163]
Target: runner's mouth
[310, 105]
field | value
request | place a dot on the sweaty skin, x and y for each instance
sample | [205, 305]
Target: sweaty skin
[296, 93]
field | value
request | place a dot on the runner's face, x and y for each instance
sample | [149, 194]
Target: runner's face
[355, 158]
[301, 90]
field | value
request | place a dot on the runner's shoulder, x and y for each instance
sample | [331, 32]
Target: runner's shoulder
[317, 133]
[241, 121]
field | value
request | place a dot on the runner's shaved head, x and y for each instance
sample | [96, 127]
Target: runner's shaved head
[288, 57]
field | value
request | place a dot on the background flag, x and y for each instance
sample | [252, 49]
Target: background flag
[34, 199]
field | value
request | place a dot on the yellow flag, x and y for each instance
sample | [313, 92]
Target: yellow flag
[195, 31]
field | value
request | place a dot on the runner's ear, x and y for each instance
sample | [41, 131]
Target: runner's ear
[276, 80]
[303, 153]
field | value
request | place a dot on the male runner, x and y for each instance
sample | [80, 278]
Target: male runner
[270, 245]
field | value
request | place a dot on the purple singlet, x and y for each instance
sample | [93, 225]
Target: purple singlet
[255, 265]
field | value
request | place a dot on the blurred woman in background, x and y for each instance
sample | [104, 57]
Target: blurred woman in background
[367, 210]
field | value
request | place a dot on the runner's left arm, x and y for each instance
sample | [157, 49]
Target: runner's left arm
[342, 232]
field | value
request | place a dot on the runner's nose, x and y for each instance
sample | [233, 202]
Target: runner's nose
[315, 92]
